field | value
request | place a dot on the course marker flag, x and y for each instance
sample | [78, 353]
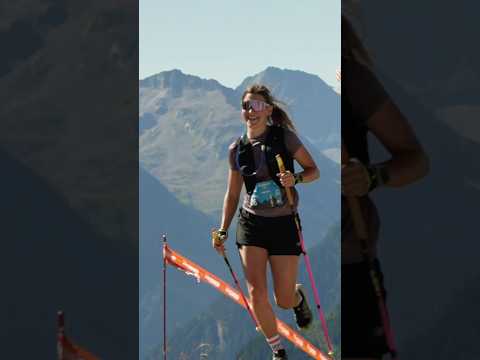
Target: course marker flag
[66, 348]
[189, 267]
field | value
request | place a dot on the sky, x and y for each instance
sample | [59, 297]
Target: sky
[228, 40]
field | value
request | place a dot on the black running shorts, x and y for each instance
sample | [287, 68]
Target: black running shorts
[278, 235]
[362, 329]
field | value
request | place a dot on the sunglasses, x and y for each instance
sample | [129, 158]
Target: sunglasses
[255, 105]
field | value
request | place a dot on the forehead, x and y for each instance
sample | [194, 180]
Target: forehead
[250, 96]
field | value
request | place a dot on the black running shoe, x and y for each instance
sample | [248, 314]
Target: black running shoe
[303, 314]
[280, 355]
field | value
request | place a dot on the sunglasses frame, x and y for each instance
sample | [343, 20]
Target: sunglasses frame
[246, 107]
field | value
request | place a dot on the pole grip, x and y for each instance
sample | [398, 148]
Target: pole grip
[281, 167]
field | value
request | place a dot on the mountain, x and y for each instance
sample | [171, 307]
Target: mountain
[189, 131]
[464, 330]
[224, 330]
[187, 124]
[69, 240]
[314, 105]
[257, 349]
[60, 261]
[188, 232]
[71, 143]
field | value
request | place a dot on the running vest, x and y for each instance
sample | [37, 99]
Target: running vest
[274, 145]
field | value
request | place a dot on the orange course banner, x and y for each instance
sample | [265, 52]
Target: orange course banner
[189, 267]
[67, 349]
[70, 351]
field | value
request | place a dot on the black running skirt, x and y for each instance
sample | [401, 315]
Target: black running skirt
[278, 235]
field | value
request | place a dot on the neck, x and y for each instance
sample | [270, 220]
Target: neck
[254, 133]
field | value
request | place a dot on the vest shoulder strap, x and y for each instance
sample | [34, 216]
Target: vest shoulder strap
[274, 145]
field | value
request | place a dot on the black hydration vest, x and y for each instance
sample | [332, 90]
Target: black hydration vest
[274, 145]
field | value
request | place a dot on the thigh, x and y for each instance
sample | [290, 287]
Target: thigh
[284, 274]
[254, 261]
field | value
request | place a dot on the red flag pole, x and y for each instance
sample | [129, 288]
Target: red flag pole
[164, 298]
[60, 333]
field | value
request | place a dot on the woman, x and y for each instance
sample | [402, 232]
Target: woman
[366, 108]
[266, 231]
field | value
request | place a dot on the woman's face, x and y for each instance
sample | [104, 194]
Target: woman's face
[255, 111]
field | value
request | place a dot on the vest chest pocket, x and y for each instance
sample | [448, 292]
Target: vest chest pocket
[266, 194]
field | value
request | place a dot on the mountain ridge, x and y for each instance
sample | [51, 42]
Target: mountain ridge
[206, 119]
[186, 126]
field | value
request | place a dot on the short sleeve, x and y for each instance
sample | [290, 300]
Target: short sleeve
[232, 152]
[292, 142]
[365, 93]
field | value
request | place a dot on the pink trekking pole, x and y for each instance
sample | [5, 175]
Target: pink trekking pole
[235, 279]
[362, 233]
[281, 167]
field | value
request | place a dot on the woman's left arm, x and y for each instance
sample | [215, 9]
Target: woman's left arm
[408, 162]
[310, 171]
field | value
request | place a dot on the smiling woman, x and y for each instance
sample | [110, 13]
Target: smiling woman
[220, 50]
[367, 109]
[266, 231]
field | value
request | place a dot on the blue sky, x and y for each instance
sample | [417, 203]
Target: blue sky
[229, 40]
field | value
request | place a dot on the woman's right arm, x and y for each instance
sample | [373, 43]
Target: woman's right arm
[232, 196]
[230, 203]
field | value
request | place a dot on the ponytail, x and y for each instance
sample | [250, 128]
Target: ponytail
[281, 118]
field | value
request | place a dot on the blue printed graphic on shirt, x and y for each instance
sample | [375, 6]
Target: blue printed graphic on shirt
[266, 193]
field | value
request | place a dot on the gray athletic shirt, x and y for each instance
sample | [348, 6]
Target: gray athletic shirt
[292, 143]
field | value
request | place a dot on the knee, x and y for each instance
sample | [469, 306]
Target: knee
[258, 294]
[285, 302]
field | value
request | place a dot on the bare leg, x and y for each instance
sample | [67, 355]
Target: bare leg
[254, 260]
[284, 273]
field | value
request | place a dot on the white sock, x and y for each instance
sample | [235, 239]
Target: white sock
[299, 296]
[275, 343]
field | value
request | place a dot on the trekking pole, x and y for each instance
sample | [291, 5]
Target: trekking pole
[164, 298]
[281, 167]
[217, 240]
[362, 234]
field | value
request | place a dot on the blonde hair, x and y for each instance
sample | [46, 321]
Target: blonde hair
[279, 115]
